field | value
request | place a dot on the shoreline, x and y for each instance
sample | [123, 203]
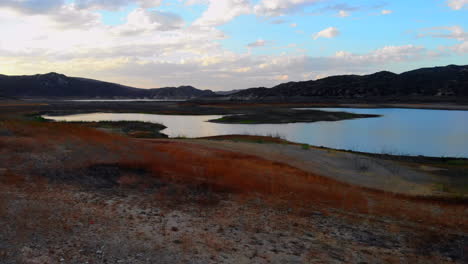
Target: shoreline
[317, 102]
[276, 140]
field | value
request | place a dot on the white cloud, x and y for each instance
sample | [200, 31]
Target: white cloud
[244, 69]
[256, 44]
[277, 21]
[101, 4]
[283, 77]
[330, 32]
[458, 33]
[68, 16]
[384, 55]
[32, 6]
[78, 14]
[343, 13]
[280, 7]
[115, 4]
[461, 48]
[454, 32]
[45, 39]
[196, 2]
[58, 14]
[43, 6]
[457, 4]
[222, 11]
[141, 20]
[149, 3]
[293, 25]
[386, 12]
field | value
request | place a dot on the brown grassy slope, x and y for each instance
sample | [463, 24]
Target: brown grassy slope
[58, 151]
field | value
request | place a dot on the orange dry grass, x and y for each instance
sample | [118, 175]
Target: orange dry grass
[58, 131]
[36, 137]
[243, 173]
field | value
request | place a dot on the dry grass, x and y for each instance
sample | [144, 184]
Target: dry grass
[54, 146]
[244, 173]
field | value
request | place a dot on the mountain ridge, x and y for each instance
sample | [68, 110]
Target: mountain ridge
[59, 85]
[446, 81]
[451, 80]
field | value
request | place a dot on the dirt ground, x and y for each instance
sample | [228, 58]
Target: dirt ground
[69, 225]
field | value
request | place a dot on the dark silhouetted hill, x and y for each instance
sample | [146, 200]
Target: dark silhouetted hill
[59, 85]
[451, 80]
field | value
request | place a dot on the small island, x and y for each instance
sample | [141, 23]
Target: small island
[284, 116]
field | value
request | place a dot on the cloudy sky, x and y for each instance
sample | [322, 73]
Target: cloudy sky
[228, 44]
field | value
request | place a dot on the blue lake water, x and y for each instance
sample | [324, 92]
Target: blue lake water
[399, 131]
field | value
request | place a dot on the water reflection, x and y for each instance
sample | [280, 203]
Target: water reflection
[398, 131]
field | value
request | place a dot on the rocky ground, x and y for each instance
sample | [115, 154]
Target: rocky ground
[62, 224]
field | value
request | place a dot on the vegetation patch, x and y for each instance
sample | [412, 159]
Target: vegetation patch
[130, 128]
[305, 146]
[135, 129]
[283, 116]
[274, 139]
[458, 162]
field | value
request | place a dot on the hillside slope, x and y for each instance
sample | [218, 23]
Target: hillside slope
[59, 85]
[450, 81]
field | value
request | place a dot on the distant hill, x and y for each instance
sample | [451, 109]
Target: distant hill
[228, 92]
[59, 85]
[449, 81]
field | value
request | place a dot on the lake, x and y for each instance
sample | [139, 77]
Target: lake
[399, 131]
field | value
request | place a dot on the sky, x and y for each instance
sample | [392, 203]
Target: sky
[228, 44]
